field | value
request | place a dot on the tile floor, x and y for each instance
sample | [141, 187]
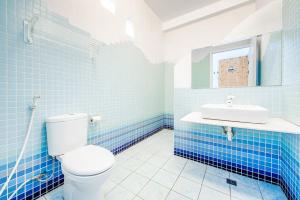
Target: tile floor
[150, 171]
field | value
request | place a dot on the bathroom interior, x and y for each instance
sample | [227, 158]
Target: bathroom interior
[150, 100]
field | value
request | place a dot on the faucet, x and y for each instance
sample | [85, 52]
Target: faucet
[229, 100]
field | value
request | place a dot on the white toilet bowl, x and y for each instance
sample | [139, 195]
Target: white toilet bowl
[85, 170]
[85, 167]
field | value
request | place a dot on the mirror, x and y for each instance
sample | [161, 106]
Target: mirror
[252, 62]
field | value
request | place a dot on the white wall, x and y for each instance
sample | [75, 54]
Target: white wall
[266, 19]
[262, 3]
[90, 16]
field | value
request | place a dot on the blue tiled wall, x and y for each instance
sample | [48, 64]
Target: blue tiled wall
[269, 156]
[71, 72]
[291, 95]
[252, 153]
[290, 165]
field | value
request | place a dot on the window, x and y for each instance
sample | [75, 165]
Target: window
[109, 5]
[231, 67]
[130, 28]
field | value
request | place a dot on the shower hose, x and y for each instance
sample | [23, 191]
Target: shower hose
[38, 177]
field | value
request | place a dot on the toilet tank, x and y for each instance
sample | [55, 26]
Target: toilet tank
[66, 132]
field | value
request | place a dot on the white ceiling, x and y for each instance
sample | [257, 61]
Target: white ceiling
[169, 9]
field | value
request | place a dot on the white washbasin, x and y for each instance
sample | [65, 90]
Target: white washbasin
[237, 113]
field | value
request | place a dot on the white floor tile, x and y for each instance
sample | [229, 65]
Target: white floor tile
[210, 194]
[249, 182]
[144, 156]
[165, 178]
[194, 171]
[108, 186]
[166, 151]
[122, 157]
[175, 165]
[148, 170]
[119, 193]
[134, 183]
[137, 198]
[154, 191]
[193, 164]
[158, 161]
[217, 171]
[244, 192]
[119, 174]
[132, 164]
[175, 196]
[271, 192]
[150, 149]
[187, 188]
[217, 183]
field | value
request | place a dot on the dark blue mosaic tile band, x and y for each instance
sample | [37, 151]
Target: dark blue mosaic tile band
[169, 121]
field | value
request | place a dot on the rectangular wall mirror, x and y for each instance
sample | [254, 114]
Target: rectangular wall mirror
[252, 62]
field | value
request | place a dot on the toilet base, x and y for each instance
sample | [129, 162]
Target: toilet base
[85, 187]
[73, 192]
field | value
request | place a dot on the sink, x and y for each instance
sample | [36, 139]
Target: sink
[237, 113]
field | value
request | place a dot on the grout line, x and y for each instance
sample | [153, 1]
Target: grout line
[177, 180]
[152, 154]
[202, 181]
[151, 179]
[159, 168]
[261, 194]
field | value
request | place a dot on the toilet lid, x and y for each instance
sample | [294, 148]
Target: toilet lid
[88, 160]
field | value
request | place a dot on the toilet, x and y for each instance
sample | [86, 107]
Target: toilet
[85, 167]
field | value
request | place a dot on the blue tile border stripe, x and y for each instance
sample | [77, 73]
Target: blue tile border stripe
[230, 166]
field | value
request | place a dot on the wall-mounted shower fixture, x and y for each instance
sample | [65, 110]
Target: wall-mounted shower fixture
[29, 28]
[33, 108]
[229, 132]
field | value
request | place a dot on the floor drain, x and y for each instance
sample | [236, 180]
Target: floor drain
[231, 182]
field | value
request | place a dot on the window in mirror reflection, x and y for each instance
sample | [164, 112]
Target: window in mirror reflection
[232, 68]
[251, 62]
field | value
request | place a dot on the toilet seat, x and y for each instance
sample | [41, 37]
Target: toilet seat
[88, 160]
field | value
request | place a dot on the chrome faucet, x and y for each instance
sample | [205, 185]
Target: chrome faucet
[229, 100]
